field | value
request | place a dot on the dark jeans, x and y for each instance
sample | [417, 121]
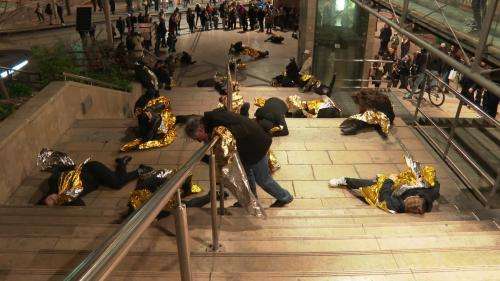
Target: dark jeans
[260, 174]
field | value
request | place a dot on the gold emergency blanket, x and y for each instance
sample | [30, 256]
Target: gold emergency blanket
[259, 102]
[402, 182]
[274, 165]
[237, 102]
[140, 196]
[253, 53]
[166, 130]
[309, 108]
[143, 192]
[374, 118]
[233, 176]
[70, 185]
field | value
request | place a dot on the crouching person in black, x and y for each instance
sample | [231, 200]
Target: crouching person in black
[271, 117]
[69, 182]
[375, 110]
[290, 78]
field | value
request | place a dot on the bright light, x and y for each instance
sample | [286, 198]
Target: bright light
[16, 67]
[339, 5]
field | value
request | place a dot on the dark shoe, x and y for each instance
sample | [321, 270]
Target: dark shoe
[143, 169]
[123, 160]
[279, 204]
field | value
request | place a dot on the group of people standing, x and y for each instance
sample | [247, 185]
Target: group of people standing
[49, 10]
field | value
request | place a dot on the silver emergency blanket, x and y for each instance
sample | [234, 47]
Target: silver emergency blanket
[47, 159]
[233, 176]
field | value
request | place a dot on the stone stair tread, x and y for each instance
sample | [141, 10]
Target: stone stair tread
[379, 230]
[363, 262]
[255, 245]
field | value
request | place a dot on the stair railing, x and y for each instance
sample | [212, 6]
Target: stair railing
[101, 261]
[90, 81]
[444, 153]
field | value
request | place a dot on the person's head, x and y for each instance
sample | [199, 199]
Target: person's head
[51, 199]
[307, 53]
[195, 129]
[414, 205]
[442, 45]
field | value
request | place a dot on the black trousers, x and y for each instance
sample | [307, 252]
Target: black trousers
[95, 174]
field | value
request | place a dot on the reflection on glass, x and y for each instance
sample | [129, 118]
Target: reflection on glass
[341, 29]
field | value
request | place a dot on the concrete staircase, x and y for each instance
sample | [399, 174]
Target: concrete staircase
[325, 234]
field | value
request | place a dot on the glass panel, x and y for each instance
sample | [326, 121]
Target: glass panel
[341, 29]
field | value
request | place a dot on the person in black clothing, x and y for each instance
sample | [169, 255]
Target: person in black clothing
[468, 87]
[252, 14]
[112, 6]
[252, 144]
[260, 16]
[171, 41]
[412, 200]
[271, 117]
[69, 183]
[291, 76]
[163, 75]
[59, 9]
[385, 37]
[120, 26]
[49, 12]
[275, 39]
[370, 102]
[143, 100]
[190, 18]
[404, 71]
[198, 11]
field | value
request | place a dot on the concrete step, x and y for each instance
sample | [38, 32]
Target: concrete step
[355, 230]
[242, 222]
[256, 244]
[364, 263]
[358, 211]
[479, 273]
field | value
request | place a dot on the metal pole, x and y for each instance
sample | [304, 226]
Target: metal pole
[109, 28]
[181, 233]
[404, 15]
[485, 31]
[229, 105]
[467, 71]
[213, 203]
[4, 90]
[453, 126]
[420, 97]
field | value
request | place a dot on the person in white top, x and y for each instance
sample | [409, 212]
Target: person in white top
[306, 68]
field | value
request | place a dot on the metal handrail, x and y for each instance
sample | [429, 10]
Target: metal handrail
[101, 262]
[91, 81]
[444, 152]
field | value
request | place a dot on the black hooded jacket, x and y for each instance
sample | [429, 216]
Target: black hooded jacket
[253, 143]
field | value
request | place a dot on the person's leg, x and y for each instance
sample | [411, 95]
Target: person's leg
[263, 178]
[353, 183]
[251, 180]
[114, 180]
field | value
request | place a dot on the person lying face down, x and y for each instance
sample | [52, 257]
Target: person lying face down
[69, 183]
[271, 117]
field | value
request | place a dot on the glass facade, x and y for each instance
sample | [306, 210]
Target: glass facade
[340, 34]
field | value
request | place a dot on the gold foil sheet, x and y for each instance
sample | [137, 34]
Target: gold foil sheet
[374, 118]
[233, 175]
[167, 131]
[402, 182]
[305, 77]
[138, 197]
[70, 185]
[251, 52]
[274, 165]
[371, 194]
[196, 189]
[259, 102]
[309, 108]
[159, 100]
[237, 102]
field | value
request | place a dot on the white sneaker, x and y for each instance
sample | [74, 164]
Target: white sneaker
[338, 182]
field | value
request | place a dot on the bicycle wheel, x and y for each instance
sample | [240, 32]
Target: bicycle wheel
[436, 97]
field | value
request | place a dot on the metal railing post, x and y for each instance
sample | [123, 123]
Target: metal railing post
[452, 131]
[213, 202]
[420, 96]
[181, 233]
[229, 105]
